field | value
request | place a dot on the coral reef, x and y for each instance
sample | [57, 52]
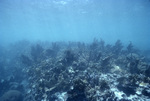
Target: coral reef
[76, 71]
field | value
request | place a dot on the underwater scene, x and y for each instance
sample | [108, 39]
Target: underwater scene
[74, 50]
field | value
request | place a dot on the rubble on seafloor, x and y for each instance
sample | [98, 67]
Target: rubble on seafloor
[86, 72]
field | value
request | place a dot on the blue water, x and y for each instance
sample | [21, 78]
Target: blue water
[76, 20]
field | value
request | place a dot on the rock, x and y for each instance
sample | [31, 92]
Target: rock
[12, 95]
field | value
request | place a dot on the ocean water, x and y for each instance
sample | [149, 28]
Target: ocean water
[75, 20]
[74, 50]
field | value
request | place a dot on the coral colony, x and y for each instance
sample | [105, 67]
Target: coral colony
[74, 71]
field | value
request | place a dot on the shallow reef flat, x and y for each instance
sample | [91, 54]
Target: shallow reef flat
[76, 71]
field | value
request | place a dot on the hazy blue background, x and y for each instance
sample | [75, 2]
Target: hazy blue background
[76, 20]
